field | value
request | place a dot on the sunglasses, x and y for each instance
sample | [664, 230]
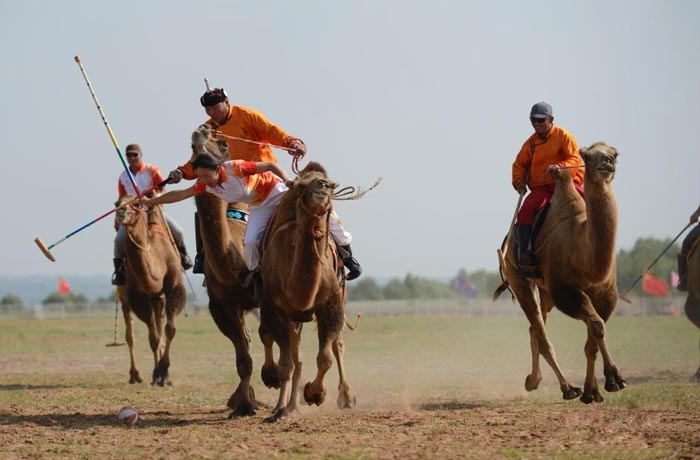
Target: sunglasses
[131, 155]
[538, 120]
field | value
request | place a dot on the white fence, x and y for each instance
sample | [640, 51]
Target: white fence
[417, 307]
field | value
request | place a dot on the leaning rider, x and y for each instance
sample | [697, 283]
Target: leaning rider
[687, 245]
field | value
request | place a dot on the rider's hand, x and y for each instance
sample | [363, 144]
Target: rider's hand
[298, 148]
[521, 188]
[175, 176]
[694, 217]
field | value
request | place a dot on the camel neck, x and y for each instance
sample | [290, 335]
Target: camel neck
[601, 231]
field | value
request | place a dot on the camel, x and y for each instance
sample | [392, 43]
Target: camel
[576, 252]
[692, 302]
[154, 290]
[224, 268]
[300, 278]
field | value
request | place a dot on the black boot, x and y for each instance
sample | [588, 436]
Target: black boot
[526, 258]
[184, 258]
[682, 273]
[119, 275]
[198, 263]
[257, 286]
[353, 266]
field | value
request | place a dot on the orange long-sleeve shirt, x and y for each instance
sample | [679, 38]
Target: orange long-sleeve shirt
[536, 155]
[248, 124]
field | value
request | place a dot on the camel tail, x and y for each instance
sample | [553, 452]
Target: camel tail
[357, 321]
[499, 290]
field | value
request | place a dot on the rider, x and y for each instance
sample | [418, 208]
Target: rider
[146, 177]
[244, 123]
[259, 184]
[549, 147]
[685, 250]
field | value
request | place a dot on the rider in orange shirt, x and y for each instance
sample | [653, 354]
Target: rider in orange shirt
[550, 146]
[245, 123]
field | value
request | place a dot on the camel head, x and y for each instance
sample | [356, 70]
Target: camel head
[129, 214]
[202, 141]
[314, 189]
[600, 160]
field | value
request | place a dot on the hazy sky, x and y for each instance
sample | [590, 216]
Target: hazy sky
[433, 96]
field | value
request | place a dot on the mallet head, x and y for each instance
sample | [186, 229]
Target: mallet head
[44, 249]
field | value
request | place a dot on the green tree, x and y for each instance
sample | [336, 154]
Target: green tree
[366, 289]
[396, 290]
[12, 299]
[71, 298]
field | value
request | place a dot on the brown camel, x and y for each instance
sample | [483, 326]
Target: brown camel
[692, 302]
[300, 279]
[224, 268]
[154, 290]
[576, 252]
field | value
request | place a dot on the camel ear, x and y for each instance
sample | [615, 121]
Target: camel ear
[583, 151]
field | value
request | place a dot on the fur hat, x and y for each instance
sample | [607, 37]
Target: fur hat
[213, 97]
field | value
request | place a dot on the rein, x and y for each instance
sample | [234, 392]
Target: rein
[353, 193]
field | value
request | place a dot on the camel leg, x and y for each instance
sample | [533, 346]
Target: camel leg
[281, 329]
[293, 405]
[330, 323]
[154, 339]
[165, 332]
[524, 291]
[232, 325]
[346, 399]
[574, 299]
[533, 379]
[590, 387]
[134, 376]
[692, 311]
[269, 372]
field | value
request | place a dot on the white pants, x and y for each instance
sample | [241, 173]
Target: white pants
[257, 222]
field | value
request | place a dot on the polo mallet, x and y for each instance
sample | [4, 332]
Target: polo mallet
[109, 130]
[116, 314]
[47, 249]
[502, 250]
[623, 296]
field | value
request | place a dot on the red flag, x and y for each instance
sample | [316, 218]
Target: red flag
[654, 286]
[63, 287]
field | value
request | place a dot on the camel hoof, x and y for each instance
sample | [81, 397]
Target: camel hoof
[135, 379]
[313, 398]
[279, 415]
[593, 396]
[270, 376]
[346, 400]
[532, 383]
[243, 410]
[614, 384]
[572, 393]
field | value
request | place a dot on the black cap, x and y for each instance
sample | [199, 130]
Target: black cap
[213, 97]
[541, 110]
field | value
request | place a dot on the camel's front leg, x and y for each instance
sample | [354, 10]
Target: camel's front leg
[293, 405]
[590, 388]
[134, 376]
[168, 329]
[330, 323]
[281, 330]
[269, 372]
[346, 399]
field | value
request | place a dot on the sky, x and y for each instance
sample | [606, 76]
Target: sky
[432, 96]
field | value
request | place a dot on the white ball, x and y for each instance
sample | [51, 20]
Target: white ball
[128, 415]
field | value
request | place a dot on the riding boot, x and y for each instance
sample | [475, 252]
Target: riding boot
[199, 258]
[526, 258]
[184, 258]
[682, 273]
[119, 275]
[353, 266]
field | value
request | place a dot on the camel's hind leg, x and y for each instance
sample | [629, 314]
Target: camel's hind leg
[330, 323]
[346, 399]
[532, 381]
[692, 311]
[134, 376]
[526, 297]
[590, 387]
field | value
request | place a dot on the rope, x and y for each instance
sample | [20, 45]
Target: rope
[353, 193]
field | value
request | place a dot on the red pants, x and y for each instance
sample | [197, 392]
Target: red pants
[538, 197]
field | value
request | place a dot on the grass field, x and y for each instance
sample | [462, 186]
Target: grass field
[426, 387]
